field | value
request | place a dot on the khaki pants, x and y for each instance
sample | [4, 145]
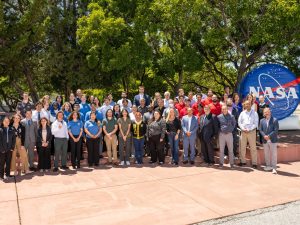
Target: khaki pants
[111, 146]
[23, 157]
[251, 138]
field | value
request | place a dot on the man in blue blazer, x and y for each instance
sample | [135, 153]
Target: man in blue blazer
[137, 98]
[268, 129]
[189, 126]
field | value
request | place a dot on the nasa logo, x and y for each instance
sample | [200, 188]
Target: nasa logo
[279, 86]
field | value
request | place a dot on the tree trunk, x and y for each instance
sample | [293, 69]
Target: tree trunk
[33, 92]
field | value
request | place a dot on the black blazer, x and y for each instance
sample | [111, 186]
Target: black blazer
[208, 127]
[4, 146]
[40, 137]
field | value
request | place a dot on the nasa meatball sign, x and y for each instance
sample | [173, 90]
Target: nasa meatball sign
[279, 86]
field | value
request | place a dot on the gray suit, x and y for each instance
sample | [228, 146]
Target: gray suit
[30, 139]
[270, 147]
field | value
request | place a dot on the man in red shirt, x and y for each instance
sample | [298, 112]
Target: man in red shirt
[196, 104]
[208, 100]
[180, 105]
[183, 111]
[215, 106]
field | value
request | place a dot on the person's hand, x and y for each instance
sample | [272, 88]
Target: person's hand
[176, 137]
[124, 138]
[266, 137]
[59, 126]
[161, 140]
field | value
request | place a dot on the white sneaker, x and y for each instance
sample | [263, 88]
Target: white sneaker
[16, 173]
[225, 157]
[122, 163]
[236, 158]
[267, 168]
[46, 171]
[274, 171]
[41, 171]
[127, 163]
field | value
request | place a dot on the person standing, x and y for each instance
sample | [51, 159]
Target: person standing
[30, 137]
[110, 127]
[138, 128]
[25, 105]
[93, 130]
[173, 129]
[142, 107]
[124, 124]
[248, 122]
[189, 125]
[7, 145]
[19, 130]
[215, 106]
[124, 97]
[207, 130]
[156, 130]
[67, 109]
[268, 129]
[37, 113]
[75, 129]
[43, 144]
[84, 106]
[59, 130]
[141, 95]
[106, 106]
[260, 111]
[227, 125]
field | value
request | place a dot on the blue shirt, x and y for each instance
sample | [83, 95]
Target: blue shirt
[66, 116]
[99, 116]
[104, 108]
[92, 127]
[75, 127]
[84, 108]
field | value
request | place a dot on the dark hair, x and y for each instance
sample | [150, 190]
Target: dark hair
[124, 110]
[153, 118]
[124, 100]
[71, 116]
[6, 117]
[59, 113]
[59, 96]
[94, 114]
[43, 118]
[38, 103]
[108, 111]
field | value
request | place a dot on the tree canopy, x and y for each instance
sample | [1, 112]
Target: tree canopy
[114, 45]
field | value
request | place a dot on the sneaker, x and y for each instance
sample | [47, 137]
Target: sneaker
[122, 163]
[127, 163]
[274, 171]
[161, 163]
[32, 169]
[65, 167]
[225, 157]
[267, 168]
[242, 164]
[236, 158]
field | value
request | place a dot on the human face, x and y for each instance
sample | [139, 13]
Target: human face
[247, 105]
[6, 122]
[83, 99]
[75, 116]
[210, 93]
[190, 111]
[199, 98]
[67, 107]
[141, 90]
[134, 109]
[224, 110]
[39, 107]
[76, 108]
[236, 98]
[261, 99]
[72, 97]
[267, 113]
[206, 110]
[142, 102]
[156, 115]
[124, 113]
[60, 116]
[124, 95]
[28, 115]
[93, 116]
[138, 116]
[117, 108]
[172, 113]
[214, 98]
[160, 103]
[25, 97]
[109, 113]
[229, 102]
[43, 122]
[17, 119]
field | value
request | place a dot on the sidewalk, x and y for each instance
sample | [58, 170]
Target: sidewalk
[147, 195]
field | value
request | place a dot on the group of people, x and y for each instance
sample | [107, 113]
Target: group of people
[142, 127]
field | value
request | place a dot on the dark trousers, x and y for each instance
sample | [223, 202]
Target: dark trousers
[44, 161]
[156, 149]
[5, 160]
[207, 150]
[93, 150]
[75, 151]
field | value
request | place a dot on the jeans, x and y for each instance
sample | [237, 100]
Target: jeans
[174, 146]
[139, 147]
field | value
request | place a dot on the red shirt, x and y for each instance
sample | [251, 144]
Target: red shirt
[182, 113]
[206, 101]
[195, 108]
[179, 106]
[215, 108]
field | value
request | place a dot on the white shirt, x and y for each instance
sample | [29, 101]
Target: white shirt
[35, 115]
[104, 108]
[60, 132]
[248, 120]
[190, 121]
[121, 104]
[132, 116]
[166, 103]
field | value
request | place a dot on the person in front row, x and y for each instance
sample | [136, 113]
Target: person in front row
[43, 144]
[248, 122]
[59, 130]
[139, 129]
[7, 145]
[156, 130]
[227, 125]
[93, 129]
[189, 125]
[208, 129]
[19, 130]
[75, 128]
[268, 129]
[124, 123]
